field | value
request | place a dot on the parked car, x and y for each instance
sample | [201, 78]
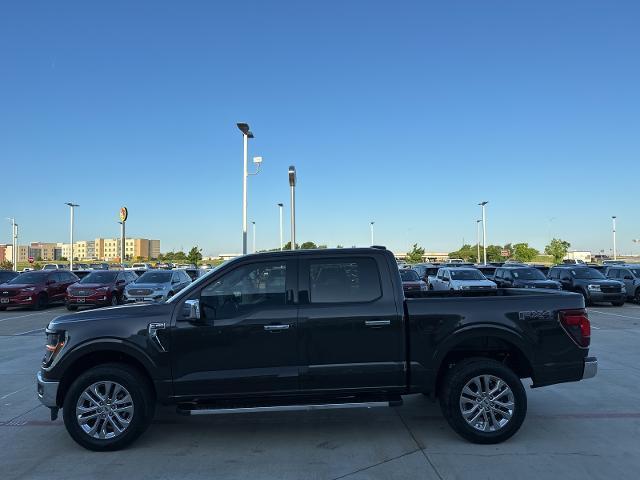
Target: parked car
[54, 266]
[308, 329]
[156, 286]
[36, 289]
[572, 261]
[6, 275]
[411, 281]
[99, 266]
[425, 269]
[141, 266]
[460, 278]
[81, 266]
[589, 282]
[630, 276]
[487, 270]
[99, 288]
[523, 277]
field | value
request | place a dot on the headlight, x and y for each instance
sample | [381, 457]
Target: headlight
[55, 343]
[594, 288]
[624, 289]
[102, 289]
[159, 289]
[28, 289]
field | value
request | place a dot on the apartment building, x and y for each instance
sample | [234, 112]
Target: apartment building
[43, 251]
[23, 253]
[3, 249]
[109, 248]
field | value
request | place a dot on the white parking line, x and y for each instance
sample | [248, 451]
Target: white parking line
[30, 331]
[27, 315]
[615, 314]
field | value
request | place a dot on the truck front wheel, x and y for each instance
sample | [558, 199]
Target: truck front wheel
[483, 400]
[108, 407]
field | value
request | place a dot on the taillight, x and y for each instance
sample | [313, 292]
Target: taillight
[576, 324]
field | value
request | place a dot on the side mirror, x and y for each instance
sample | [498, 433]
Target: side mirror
[119, 282]
[628, 277]
[174, 281]
[446, 280]
[191, 310]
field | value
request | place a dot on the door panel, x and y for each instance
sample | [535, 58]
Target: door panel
[246, 340]
[350, 336]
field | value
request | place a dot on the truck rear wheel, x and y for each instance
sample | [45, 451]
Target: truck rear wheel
[108, 407]
[483, 401]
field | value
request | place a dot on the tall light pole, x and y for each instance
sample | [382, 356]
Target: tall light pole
[14, 236]
[478, 222]
[280, 205]
[72, 206]
[484, 231]
[615, 251]
[371, 225]
[292, 184]
[246, 135]
[253, 224]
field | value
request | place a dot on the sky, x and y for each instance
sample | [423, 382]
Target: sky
[405, 113]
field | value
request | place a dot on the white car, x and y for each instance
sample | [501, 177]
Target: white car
[140, 266]
[460, 278]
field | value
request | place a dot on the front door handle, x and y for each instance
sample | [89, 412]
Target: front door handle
[276, 328]
[377, 323]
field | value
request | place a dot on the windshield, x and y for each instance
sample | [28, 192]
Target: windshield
[586, 273]
[467, 275]
[4, 276]
[155, 277]
[29, 277]
[528, 274]
[409, 275]
[100, 277]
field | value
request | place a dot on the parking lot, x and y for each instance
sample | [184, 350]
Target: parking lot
[585, 429]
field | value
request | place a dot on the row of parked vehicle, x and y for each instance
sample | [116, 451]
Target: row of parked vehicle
[613, 283]
[97, 288]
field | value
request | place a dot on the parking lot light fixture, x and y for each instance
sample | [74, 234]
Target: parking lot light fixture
[292, 184]
[72, 207]
[14, 235]
[253, 224]
[246, 135]
[478, 222]
[280, 205]
[484, 230]
[615, 250]
[371, 224]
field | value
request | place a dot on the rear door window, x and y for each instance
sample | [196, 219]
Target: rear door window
[344, 280]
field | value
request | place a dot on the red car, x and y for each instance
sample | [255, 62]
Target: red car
[36, 289]
[411, 281]
[99, 288]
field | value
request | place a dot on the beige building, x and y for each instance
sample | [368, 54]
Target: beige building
[23, 253]
[109, 248]
[43, 251]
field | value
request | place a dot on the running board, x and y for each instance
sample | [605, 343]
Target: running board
[288, 408]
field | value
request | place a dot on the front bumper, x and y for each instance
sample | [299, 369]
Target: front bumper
[590, 368]
[93, 300]
[47, 391]
[18, 300]
[596, 296]
[155, 298]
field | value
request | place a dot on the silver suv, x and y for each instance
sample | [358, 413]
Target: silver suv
[630, 276]
[156, 286]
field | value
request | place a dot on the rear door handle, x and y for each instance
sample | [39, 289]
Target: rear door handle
[276, 328]
[377, 323]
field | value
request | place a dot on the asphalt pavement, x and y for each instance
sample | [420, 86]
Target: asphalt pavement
[583, 430]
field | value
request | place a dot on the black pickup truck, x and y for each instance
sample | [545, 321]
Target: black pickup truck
[311, 329]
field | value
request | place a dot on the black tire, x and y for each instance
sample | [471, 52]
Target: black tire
[114, 300]
[617, 304]
[42, 302]
[142, 399]
[636, 297]
[2, 309]
[451, 391]
[72, 308]
[587, 300]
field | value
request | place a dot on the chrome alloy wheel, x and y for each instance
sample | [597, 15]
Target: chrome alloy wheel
[104, 410]
[487, 403]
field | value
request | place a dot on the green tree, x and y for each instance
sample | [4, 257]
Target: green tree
[522, 252]
[195, 255]
[466, 253]
[180, 257]
[557, 248]
[287, 246]
[6, 265]
[415, 255]
[339, 246]
[308, 245]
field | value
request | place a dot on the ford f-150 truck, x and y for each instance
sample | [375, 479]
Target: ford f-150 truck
[311, 329]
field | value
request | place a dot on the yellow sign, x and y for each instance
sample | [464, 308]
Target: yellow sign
[124, 213]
